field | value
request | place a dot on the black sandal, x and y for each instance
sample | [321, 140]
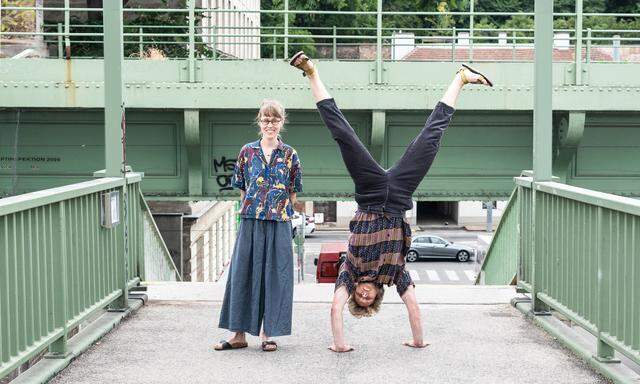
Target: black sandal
[267, 343]
[225, 345]
[464, 79]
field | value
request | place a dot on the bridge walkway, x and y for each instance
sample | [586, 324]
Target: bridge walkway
[476, 336]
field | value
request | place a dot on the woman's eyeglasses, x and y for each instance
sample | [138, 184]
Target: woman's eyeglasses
[270, 121]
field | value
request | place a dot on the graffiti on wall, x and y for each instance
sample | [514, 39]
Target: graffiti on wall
[224, 165]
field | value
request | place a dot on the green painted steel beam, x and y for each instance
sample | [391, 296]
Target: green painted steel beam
[194, 150]
[378, 133]
[578, 44]
[48, 83]
[113, 88]
[543, 85]
[570, 133]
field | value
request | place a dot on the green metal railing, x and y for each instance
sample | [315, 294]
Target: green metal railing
[500, 263]
[58, 265]
[210, 33]
[579, 256]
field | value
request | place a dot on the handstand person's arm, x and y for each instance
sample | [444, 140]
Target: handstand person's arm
[340, 297]
[409, 298]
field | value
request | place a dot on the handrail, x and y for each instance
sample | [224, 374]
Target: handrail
[31, 200]
[244, 41]
[578, 258]
[60, 263]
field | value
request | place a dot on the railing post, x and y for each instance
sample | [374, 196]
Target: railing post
[521, 226]
[335, 43]
[471, 10]
[604, 352]
[300, 235]
[538, 251]
[67, 41]
[542, 124]
[122, 255]
[542, 140]
[60, 313]
[453, 45]
[286, 29]
[60, 44]
[513, 50]
[379, 43]
[275, 45]
[616, 48]
[140, 43]
[192, 23]
[587, 58]
[113, 95]
[578, 45]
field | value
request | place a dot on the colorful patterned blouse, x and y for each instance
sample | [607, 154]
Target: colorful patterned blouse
[377, 247]
[267, 186]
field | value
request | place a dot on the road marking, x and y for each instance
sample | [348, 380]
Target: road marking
[433, 275]
[470, 274]
[452, 275]
[414, 275]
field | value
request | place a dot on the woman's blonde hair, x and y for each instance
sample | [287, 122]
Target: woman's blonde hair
[359, 311]
[271, 108]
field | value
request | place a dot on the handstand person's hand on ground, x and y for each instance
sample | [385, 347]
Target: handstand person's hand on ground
[413, 308]
[340, 297]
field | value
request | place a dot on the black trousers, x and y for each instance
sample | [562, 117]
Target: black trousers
[377, 189]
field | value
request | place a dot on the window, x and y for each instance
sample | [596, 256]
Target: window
[422, 240]
[437, 240]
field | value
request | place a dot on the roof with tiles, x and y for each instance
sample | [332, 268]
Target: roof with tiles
[507, 53]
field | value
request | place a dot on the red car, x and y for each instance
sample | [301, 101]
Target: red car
[327, 262]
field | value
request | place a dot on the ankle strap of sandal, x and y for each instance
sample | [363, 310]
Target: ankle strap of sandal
[463, 76]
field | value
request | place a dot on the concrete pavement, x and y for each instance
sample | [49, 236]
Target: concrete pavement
[475, 336]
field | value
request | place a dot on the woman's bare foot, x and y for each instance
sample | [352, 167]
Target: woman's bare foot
[237, 339]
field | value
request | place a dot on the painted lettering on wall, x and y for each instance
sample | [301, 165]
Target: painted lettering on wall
[224, 165]
[35, 159]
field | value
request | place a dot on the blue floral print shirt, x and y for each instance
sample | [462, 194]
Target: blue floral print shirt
[267, 186]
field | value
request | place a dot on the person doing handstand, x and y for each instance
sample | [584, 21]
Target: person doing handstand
[379, 234]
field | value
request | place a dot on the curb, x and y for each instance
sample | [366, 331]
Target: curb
[47, 369]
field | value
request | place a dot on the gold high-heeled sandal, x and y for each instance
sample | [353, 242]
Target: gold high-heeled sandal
[306, 66]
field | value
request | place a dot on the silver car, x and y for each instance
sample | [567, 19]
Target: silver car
[429, 246]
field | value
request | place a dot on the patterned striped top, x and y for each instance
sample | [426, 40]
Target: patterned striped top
[377, 247]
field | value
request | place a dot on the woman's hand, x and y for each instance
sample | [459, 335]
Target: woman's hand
[415, 344]
[341, 348]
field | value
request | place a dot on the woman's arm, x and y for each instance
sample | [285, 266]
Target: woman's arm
[340, 297]
[409, 298]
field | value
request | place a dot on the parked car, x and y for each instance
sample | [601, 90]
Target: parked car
[296, 220]
[428, 246]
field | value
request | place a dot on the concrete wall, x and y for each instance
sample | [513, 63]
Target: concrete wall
[199, 235]
[471, 213]
[346, 209]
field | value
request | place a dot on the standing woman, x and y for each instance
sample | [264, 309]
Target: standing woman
[259, 292]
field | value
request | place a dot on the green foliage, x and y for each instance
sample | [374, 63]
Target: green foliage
[172, 23]
[17, 21]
